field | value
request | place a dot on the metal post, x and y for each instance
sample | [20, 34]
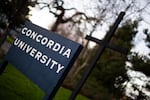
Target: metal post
[3, 66]
[101, 49]
[110, 45]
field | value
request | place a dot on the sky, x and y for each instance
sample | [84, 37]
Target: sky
[44, 19]
[41, 17]
[139, 40]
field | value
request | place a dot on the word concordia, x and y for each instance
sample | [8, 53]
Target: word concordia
[40, 56]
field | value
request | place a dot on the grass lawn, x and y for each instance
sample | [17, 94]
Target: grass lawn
[15, 86]
[63, 94]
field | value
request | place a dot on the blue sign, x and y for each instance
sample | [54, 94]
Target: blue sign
[43, 56]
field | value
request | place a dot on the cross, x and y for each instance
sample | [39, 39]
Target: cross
[104, 44]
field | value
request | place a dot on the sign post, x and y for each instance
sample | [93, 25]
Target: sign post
[104, 44]
[44, 57]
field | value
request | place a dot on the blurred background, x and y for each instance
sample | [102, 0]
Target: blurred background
[115, 76]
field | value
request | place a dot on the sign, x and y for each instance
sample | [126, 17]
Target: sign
[43, 56]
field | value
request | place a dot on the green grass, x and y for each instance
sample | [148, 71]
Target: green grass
[10, 39]
[63, 94]
[15, 86]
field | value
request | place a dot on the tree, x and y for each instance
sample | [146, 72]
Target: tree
[12, 14]
[111, 69]
[140, 71]
[140, 66]
[147, 40]
[71, 20]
